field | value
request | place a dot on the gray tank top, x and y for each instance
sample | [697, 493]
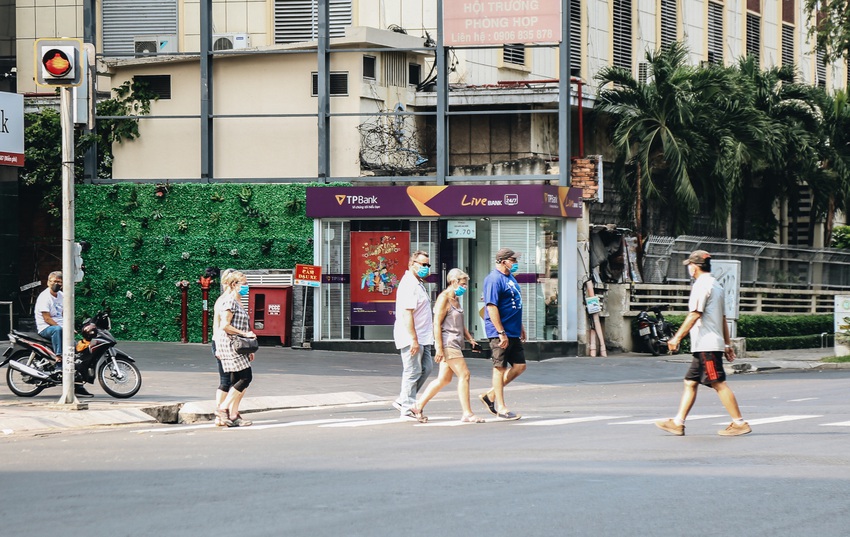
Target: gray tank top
[453, 328]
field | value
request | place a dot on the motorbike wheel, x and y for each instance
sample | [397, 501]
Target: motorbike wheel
[652, 344]
[21, 384]
[660, 347]
[120, 382]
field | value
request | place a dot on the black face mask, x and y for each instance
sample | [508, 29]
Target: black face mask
[56, 287]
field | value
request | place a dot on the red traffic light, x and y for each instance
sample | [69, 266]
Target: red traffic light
[57, 62]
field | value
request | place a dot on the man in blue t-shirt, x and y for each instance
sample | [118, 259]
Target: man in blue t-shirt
[503, 325]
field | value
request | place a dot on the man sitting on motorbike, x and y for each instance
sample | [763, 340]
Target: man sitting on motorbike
[48, 320]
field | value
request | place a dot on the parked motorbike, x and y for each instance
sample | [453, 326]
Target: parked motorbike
[655, 331]
[33, 366]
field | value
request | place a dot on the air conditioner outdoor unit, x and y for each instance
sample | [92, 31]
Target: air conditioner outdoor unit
[152, 45]
[231, 41]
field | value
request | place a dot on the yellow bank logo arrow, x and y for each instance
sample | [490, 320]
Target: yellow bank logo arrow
[340, 198]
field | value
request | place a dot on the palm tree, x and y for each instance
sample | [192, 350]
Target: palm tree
[831, 192]
[674, 147]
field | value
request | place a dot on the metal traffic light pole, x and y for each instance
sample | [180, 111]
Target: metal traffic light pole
[68, 283]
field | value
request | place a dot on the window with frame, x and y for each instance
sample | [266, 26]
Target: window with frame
[715, 33]
[414, 74]
[369, 67]
[338, 84]
[160, 85]
[298, 20]
[821, 69]
[575, 37]
[754, 37]
[787, 45]
[668, 22]
[514, 54]
[622, 33]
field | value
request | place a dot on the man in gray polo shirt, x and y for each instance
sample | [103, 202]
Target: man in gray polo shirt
[710, 341]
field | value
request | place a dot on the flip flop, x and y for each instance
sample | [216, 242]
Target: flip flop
[508, 415]
[471, 418]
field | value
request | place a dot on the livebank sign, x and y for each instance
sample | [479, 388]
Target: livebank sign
[11, 129]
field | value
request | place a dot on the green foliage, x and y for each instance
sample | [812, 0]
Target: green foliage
[43, 142]
[786, 342]
[832, 30]
[764, 326]
[275, 240]
[841, 237]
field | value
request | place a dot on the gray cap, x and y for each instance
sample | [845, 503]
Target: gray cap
[506, 253]
[697, 257]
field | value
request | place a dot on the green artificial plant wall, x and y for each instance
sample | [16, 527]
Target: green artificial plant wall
[146, 238]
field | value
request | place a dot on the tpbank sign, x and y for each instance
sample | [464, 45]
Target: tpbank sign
[447, 200]
[11, 129]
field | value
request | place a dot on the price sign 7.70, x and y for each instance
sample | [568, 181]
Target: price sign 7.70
[460, 229]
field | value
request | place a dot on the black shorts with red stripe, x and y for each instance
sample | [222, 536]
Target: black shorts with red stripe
[707, 368]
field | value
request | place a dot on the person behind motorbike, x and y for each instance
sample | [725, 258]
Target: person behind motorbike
[49, 307]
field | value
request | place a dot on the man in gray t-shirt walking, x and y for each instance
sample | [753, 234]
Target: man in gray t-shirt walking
[710, 341]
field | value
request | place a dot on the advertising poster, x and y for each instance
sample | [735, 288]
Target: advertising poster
[378, 261]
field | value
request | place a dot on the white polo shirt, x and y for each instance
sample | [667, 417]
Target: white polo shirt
[412, 295]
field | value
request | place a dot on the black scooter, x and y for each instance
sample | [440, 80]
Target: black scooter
[33, 366]
[655, 331]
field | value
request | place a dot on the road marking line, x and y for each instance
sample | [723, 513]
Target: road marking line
[567, 421]
[838, 424]
[652, 421]
[299, 423]
[777, 419]
[803, 399]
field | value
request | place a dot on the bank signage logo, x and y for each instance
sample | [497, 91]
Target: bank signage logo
[511, 199]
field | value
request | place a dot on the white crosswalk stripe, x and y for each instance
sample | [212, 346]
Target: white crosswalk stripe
[567, 421]
[653, 420]
[776, 419]
[454, 421]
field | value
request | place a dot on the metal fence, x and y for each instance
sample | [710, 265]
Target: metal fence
[763, 264]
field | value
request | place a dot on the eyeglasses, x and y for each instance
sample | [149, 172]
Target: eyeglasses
[425, 264]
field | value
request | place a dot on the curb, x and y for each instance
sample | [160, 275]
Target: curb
[205, 410]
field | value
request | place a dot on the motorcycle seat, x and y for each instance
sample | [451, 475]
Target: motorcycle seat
[34, 336]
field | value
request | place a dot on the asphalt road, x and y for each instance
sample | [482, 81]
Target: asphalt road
[584, 460]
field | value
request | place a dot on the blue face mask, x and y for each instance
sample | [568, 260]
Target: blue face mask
[514, 268]
[423, 272]
[243, 290]
[460, 291]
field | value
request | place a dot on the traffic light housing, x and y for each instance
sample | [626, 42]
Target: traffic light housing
[58, 62]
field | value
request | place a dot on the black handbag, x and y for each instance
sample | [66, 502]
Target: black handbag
[244, 345]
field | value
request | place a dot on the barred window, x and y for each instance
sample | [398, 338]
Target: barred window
[575, 36]
[821, 69]
[754, 37]
[715, 33]
[622, 27]
[338, 84]
[668, 22]
[787, 45]
[514, 54]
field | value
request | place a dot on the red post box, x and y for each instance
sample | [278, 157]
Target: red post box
[270, 311]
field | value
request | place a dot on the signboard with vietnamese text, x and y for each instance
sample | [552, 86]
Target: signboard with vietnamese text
[460, 229]
[499, 22]
[307, 275]
[444, 201]
[11, 129]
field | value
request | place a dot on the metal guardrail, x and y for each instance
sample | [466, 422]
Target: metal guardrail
[752, 300]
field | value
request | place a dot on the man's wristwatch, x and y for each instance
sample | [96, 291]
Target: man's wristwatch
[502, 333]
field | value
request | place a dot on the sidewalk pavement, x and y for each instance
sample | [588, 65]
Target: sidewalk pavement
[179, 380]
